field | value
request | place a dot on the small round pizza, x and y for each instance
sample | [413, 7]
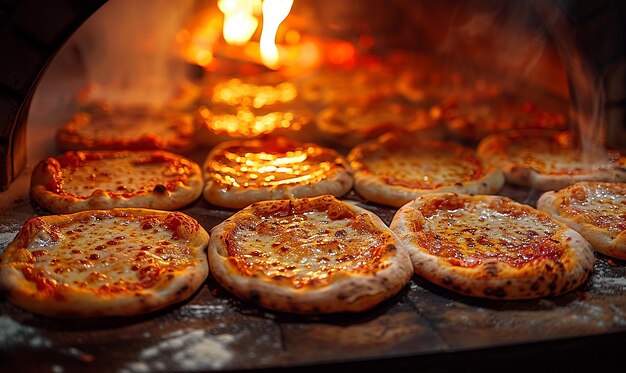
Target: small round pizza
[238, 173]
[596, 210]
[397, 168]
[255, 91]
[218, 123]
[349, 124]
[365, 82]
[492, 247]
[548, 159]
[427, 84]
[478, 120]
[308, 256]
[131, 128]
[118, 262]
[89, 180]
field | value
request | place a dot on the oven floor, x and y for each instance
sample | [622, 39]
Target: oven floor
[424, 327]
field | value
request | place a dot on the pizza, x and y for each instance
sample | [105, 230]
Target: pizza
[87, 180]
[255, 91]
[491, 247]
[428, 84]
[349, 124]
[397, 168]
[365, 82]
[596, 210]
[218, 123]
[117, 262]
[238, 173]
[133, 128]
[548, 159]
[308, 256]
[181, 95]
[473, 122]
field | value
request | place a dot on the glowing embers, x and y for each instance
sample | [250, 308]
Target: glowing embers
[238, 173]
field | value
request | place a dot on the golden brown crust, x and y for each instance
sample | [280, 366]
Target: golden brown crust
[91, 263]
[492, 248]
[323, 266]
[547, 159]
[134, 128]
[87, 180]
[595, 210]
[395, 169]
[238, 173]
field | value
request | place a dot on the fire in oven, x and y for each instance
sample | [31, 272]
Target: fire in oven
[278, 184]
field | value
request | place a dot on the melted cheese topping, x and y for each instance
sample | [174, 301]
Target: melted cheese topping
[246, 123]
[490, 118]
[468, 233]
[423, 168]
[122, 173]
[106, 254]
[128, 126]
[347, 118]
[250, 166]
[235, 92]
[599, 204]
[308, 248]
[551, 155]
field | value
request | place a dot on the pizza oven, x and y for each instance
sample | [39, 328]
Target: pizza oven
[556, 54]
[565, 58]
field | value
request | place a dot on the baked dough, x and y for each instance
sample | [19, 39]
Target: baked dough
[87, 180]
[491, 247]
[118, 262]
[238, 173]
[395, 169]
[133, 128]
[547, 159]
[308, 256]
[595, 210]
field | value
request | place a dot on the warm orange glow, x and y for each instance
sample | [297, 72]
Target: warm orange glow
[250, 165]
[230, 30]
[198, 43]
[274, 13]
[246, 124]
[342, 53]
[239, 20]
[234, 92]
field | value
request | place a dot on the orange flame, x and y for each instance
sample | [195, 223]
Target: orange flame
[274, 13]
[236, 24]
[239, 20]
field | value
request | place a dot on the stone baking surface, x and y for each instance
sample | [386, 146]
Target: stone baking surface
[215, 331]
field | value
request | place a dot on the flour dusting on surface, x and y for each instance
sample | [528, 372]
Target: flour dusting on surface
[13, 333]
[187, 350]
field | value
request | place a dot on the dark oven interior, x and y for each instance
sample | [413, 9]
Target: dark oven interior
[453, 62]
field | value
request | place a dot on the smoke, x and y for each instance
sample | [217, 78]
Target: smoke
[128, 51]
[503, 36]
[587, 93]
[521, 39]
